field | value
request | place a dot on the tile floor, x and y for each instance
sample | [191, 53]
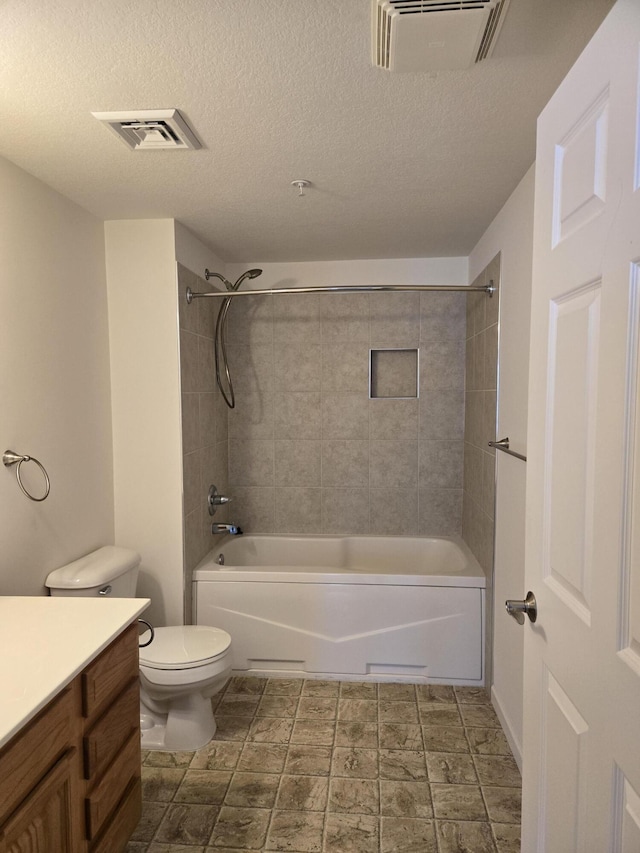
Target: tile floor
[337, 767]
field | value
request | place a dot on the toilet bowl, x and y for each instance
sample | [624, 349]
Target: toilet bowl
[180, 670]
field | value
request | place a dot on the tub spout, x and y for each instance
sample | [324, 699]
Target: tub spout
[232, 529]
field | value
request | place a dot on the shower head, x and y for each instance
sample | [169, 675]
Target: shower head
[247, 274]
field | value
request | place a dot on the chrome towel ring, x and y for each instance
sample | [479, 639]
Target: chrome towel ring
[9, 458]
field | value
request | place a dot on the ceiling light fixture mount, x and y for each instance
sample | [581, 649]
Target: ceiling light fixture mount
[301, 185]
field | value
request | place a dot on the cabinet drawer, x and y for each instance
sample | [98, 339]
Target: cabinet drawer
[110, 672]
[111, 731]
[103, 799]
[31, 753]
[125, 819]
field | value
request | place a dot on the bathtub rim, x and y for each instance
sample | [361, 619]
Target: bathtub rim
[208, 571]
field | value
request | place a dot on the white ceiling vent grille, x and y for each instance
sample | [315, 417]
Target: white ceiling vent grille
[147, 130]
[434, 35]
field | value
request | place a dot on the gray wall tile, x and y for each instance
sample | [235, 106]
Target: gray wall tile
[297, 463]
[250, 320]
[393, 419]
[297, 367]
[297, 415]
[297, 510]
[440, 512]
[253, 508]
[345, 463]
[395, 319]
[345, 367]
[393, 464]
[190, 422]
[442, 365]
[442, 415]
[394, 512]
[441, 464]
[345, 317]
[298, 319]
[345, 510]
[345, 415]
[252, 416]
[443, 316]
[251, 463]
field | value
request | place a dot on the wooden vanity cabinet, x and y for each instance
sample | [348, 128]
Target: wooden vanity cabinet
[70, 780]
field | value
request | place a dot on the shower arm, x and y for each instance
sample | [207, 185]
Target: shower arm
[344, 288]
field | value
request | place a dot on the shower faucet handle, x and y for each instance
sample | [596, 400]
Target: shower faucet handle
[215, 500]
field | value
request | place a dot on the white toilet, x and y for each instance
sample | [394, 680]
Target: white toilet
[180, 670]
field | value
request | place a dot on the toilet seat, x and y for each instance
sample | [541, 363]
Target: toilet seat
[184, 647]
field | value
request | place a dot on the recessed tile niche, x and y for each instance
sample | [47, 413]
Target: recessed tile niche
[393, 373]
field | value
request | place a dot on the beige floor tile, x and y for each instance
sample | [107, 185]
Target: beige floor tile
[479, 715]
[303, 793]
[238, 705]
[500, 770]
[157, 758]
[358, 710]
[270, 730]
[161, 847]
[263, 757]
[203, 787]
[407, 835]
[232, 728]
[359, 690]
[253, 790]
[472, 695]
[487, 741]
[405, 799]
[400, 736]
[308, 760]
[314, 732]
[187, 824]
[397, 712]
[444, 739]
[458, 802]
[354, 796]
[283, 686]
[296, 831]
[217, 755]
[159, 784]
[397, 692]
[277, 706]
[402, 764]
[317, 708]
[451, 768]
[346, 833]
[152, 815]
[507, 837]
[243, 828]
[435, 693]
[503, 804]
[440, 715]
[318, 687]
[353, 733]
[464, 837]
[355, 762]
[246, 684]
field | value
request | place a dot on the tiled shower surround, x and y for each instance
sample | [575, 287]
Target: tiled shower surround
[309, 452]
[306, 450]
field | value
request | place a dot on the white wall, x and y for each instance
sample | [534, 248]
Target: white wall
[511, 233]
[54, 381]
[193, 254]
[145, 380]
[392, 271]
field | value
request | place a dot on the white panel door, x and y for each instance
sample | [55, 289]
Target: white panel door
[581, 785]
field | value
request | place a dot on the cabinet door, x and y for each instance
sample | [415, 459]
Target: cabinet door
[46, 821]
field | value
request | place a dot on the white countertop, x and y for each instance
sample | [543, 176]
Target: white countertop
[46, 641]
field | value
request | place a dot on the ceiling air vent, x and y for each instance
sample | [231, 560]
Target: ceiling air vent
[434, 35]
[148, 130]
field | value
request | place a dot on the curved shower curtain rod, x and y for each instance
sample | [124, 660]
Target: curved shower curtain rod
[343, 288]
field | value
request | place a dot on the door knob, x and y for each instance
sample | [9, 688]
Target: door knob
[517, 609]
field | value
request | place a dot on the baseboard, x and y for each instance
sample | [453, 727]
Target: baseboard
[516, 746]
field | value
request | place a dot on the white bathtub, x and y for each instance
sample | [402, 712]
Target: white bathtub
[349, 607]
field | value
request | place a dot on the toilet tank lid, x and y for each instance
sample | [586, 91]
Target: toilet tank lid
[98, 567]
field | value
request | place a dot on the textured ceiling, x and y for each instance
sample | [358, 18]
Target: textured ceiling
[402, 165]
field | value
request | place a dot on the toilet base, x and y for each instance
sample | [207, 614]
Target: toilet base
[188, 724]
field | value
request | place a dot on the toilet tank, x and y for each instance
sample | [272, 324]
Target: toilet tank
[109, 571]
